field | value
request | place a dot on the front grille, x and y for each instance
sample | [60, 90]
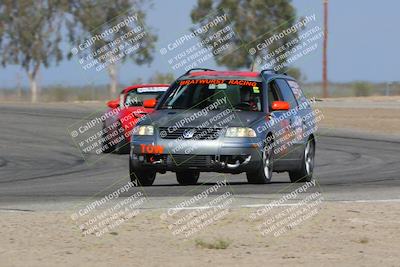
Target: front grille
[191, 160]
[199, 134]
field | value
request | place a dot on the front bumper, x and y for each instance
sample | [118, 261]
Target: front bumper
[231, 155]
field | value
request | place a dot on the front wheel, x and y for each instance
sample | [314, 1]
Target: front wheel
[106, 145]
[263, 174]
[141, 177]
[306, 169]
[123, 146]
[187, 177]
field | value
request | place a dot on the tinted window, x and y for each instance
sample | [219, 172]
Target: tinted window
[286, 92]
[241, 94]
[135, 98]
[298, 93]
[273, 94]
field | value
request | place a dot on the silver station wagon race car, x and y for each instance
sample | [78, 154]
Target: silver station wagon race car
[229, 122]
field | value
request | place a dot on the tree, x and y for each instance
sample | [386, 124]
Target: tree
[296, 73]
[30, 36]
[250, 20]
[157, 77]
[162, 78]
[361, 88]
[91, 19]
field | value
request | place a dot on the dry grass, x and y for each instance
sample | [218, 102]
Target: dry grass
[333, 237]
[216, 244]
[373, 120]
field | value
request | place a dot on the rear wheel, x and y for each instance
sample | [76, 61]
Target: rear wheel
[141, 177]
[263, 174]
[187, 177]
[306, 169]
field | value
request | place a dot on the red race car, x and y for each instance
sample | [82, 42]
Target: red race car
[123, 114]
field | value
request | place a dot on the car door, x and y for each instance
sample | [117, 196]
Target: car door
[305, 112]
[281, 127]
[293, 140]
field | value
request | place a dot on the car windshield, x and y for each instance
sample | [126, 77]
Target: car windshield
[241, 95]
[135, 98]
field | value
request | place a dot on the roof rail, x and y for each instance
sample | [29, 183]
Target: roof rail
[268, 70]
[204, 69]
[272, 70]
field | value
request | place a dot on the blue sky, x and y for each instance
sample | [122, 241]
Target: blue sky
[364, 41]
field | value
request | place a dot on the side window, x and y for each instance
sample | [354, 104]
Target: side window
[286, 92]
[273, 94]
[298, 93]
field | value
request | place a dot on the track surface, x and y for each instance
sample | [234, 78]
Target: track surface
[38, 162]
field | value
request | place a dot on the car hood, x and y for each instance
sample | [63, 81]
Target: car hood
[184, 118]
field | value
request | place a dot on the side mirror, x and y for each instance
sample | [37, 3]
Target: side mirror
[150, 103]
[280, 105]
[113, 103]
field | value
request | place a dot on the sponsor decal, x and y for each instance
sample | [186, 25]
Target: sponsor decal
[230, 82]
[151, 89]
[151, 149]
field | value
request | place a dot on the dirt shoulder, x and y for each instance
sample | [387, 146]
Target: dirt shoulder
[376, 115]
[340, 234]
[369, 120]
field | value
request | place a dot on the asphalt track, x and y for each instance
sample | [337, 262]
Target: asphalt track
[40, 163]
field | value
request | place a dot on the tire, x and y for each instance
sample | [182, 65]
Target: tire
[123, 147]
[141, 177]
[305, 172]
[108, 148]
[263, 174]
[187, 177]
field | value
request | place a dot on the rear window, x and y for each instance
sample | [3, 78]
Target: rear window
[242, 95]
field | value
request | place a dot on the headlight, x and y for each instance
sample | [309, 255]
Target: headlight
[240, 132]
[144, 130]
